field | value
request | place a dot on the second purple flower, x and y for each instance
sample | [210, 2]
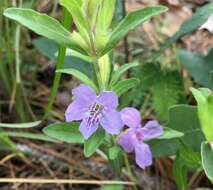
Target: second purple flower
[133, 138]
[94, 110]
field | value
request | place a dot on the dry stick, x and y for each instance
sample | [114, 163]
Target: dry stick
[6, 158]
[64, 181]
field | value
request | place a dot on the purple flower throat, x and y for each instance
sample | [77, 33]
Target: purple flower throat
[95, 114]
[93, 111]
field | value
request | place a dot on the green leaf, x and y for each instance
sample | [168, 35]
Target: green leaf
[113, 152]
[125, 85]
[66, 132]
[116, 158]
[117, 162]
[169, 133]
[29, 135]
[167, 92]
[78, 15]
[149, 74]
[211, 76]
[164, 147]
[49, 48]
[43, 25]
[184, 118]
[117, 74]
[6, 143]
[105, 16]
[119, 13]
[180, 173]
[207, 159]
[91, 8]
[192, 24]
[104, 19]
[190, 158]
[112, 187]
[94, 142]
[131, 21]
[20, 125]
[204, 99]
[198, 66]
[79, 75]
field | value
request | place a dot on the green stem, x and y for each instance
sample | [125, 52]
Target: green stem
[66, 20]
[55, 5]
[145, 104]
[96, 75]
[17, 49]
[17, 40]
[3, 70]
[3, 75]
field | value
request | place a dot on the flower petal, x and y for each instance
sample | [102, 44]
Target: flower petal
[151, 130]
[126, 141]
[108, 99]
[131, 117]
[87, 130]
[143, 155]
[75, 111]
[111, 122]
[84, 94]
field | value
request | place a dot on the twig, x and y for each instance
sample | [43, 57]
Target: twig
[64, 181]
[6, 158]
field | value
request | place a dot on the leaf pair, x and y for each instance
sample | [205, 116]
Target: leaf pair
[118, 87]
[52, 29]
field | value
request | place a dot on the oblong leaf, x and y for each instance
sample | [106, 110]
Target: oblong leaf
[78, 15]
[20, 125]
[207, 159]
[125, 85]
[43, 25]
[79, 75]
[117, 74]
[66, 132]
[169, 133]
[131, 21]
[94, 142]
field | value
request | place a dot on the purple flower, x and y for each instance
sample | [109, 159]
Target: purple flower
[94, 110]
[133, 138]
